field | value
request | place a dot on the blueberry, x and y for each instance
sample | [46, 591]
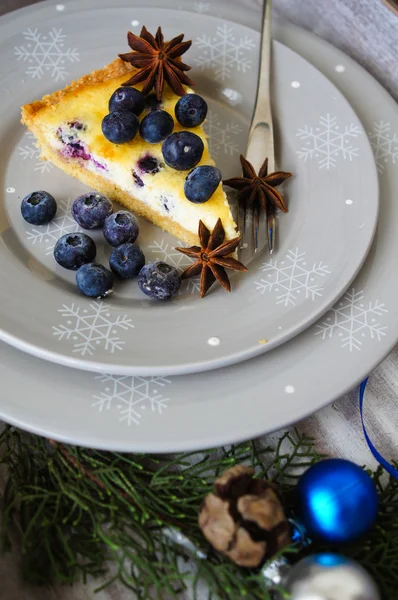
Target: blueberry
[38, 208]
[121, 227]
[149, 164]
[201, 183]
[159, 280]
[182, 150]
[73, 250]
[127, 98]
[120, 126]
[90, 210]
[191, 110]
[94, 280]
[156, 126]
[127, 260]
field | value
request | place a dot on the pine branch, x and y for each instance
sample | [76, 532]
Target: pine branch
[78, 511]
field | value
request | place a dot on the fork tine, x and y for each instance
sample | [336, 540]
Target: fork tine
[242, 223]
[255, 227]
[271, 227]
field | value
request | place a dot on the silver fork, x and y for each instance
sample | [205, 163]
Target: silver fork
[261, 141]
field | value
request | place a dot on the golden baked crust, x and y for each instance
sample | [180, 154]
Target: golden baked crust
[115, 69]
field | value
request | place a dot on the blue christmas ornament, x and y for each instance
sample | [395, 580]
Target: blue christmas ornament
[337, 501]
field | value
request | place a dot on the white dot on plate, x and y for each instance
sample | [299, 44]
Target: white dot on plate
[348, 201]
[134, 22]
[10, 190]
[213, 341]
[289, 389]
[339, 68]
[295, 84]
[60, 7]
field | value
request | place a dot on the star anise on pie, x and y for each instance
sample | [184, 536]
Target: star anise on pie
[258, 191]
[157, 61]
[212, 258]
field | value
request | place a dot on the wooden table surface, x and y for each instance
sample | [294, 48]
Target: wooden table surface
[368, 31]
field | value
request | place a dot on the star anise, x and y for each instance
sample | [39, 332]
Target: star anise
[157, 61]
[258, 191]
[212, 258]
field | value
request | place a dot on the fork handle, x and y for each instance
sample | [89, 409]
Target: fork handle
[261, 139]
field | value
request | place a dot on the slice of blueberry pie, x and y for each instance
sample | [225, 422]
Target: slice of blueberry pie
[145, 150]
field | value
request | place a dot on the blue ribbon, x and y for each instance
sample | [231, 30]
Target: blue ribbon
[384, 463]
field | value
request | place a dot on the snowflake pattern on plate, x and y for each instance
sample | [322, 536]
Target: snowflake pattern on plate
[327, 142]
[201, 7]
[91, 328]
[165, 251]
[292, 276]
[224, 52]
[62, 224]
[46, 53]
[384, 143]
[131, 396]
[29, 151]
[221, 136]
[352, 320]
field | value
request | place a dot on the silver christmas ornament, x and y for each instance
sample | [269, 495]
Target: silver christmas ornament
[329, 577]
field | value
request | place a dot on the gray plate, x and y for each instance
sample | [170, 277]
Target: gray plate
[158, 414]
[323, 240]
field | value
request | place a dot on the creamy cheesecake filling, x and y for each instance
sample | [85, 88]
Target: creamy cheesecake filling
[139, 181]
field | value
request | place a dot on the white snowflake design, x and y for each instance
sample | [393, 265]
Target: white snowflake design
[292, 276]
[201, 7]
[167, 252]
[91, 328]
[327, 142]
[221, 137]
[131, 396]
[224, 52]
[46, 53]
[352, 320]
[384, 143]
[29, 151]
[62, 224]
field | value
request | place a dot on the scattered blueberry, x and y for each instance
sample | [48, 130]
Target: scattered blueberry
[94, 280]
[90, 210]
[201, 183]
[120, 126]
[191, 110]
[73, 250]
[182, 150]
[159, 280]
[152, 103]
[156, 126]
[38, 208]
[121, 227]
[127, 260]
[127, 98]
[149, 164]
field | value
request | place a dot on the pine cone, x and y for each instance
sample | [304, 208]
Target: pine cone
[244, 519]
